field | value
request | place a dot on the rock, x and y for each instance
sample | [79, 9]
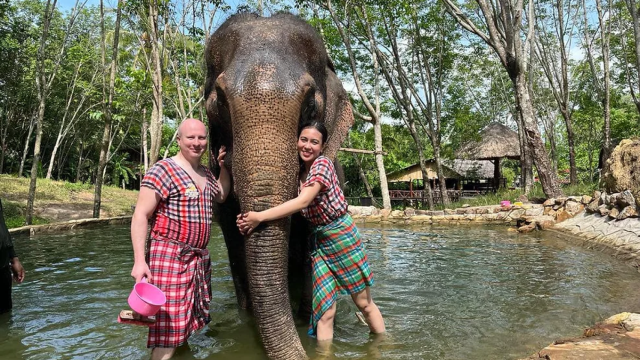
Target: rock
[437, 213]
[613, 213]
[482, 211]
[527, 228]
[449, 212]
[557, 207]
[549, 202]
[545, 222]
[603, 197]
[385, 213]
[537, 211]
[593, 205]
[362, 210]
[465, 205]
[421, 218]
[596, 194]
[562, 216]
[409, 212]
[561, 200]
[551, 213]
[586, 199]
[423, 212]
[397, 214]
[627, 212]
[622, 169]
[573, 208]
[612, 199]
[626, 199]
[603, 210]
[523, 199]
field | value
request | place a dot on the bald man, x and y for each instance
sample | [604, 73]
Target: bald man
[177, 195]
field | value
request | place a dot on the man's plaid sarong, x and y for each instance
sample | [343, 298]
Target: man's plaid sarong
[339, 265]
[178, 257]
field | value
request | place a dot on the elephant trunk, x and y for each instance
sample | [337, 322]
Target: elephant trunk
[265, 166]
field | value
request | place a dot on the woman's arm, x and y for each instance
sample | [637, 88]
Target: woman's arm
[249, 221]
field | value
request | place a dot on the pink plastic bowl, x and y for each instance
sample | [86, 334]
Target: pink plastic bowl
[505, 203]
[146, 299]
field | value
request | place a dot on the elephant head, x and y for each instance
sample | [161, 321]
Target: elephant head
[266, 76]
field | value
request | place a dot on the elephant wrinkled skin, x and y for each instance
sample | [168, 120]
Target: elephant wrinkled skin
[265, 76]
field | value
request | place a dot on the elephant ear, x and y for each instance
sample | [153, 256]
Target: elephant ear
[338, 114]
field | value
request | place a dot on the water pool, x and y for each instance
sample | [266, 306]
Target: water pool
[446, 292]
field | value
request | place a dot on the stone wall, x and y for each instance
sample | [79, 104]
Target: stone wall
[493, 214]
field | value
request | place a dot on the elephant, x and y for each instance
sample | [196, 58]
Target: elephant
[265, 77]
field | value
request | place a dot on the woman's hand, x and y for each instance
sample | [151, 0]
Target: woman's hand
[247, 222]
[221, 154]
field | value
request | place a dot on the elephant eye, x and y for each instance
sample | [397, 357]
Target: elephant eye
[309, 108]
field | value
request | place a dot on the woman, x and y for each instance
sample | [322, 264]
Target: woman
[339, 261]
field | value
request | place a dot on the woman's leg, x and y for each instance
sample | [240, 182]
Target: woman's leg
[325, 324]
[371, 313]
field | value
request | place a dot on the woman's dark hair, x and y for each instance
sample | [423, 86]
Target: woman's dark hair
[316, 125]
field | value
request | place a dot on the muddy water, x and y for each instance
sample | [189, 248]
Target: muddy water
[446, 293]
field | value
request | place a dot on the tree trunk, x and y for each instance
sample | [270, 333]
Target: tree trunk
[157, 112]
[36, 160]
[53, 154]
[145, 130]
[78, 172]
[374, 112]
[633, 10]
[361, 173]
[423, 165]
[106, 135]
[25, 151]
[3, 138]
[442, 180]
[548, 179]
[573, 171]
[384, 188]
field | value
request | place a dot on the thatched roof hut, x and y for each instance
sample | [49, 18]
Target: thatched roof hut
[453, 169]
[471, 169]
[496, 142]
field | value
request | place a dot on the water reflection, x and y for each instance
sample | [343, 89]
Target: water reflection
[445, 292]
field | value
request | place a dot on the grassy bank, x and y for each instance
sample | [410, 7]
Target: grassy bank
[60, 200]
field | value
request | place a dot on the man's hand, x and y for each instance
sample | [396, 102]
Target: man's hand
[221, 154]
[140, 270]
[17, 270]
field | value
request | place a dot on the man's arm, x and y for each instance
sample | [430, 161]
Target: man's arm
[16, 267]
[224, 180]
[147, 202]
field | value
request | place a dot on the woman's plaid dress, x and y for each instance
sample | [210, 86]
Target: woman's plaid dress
[339, 261]
[178, 257]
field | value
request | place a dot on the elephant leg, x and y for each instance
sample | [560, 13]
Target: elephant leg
[235, 243]
[300, 265]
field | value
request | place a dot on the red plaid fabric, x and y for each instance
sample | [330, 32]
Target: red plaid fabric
[178, 258]
[330, 203]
